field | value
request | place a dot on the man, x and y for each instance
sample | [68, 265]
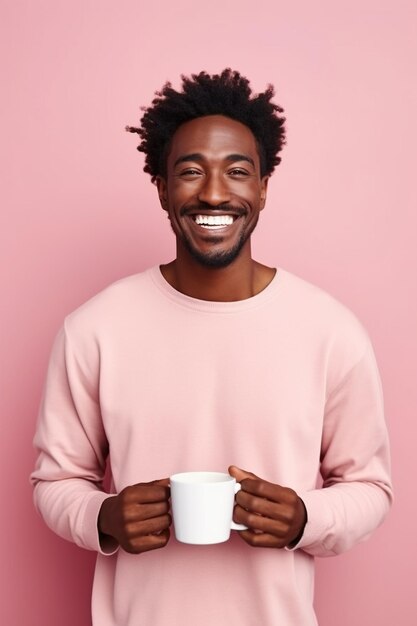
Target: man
[210, 360]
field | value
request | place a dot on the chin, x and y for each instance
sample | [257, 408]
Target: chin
[216, 260]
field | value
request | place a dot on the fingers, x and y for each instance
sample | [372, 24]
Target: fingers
[266, 532]
[145, 516]
[138, 518]
[269, 491]
[275, 515]
[282, 511]
[139, 512]
[261, 540]
[163, 481]
[147, 527]
[240, 474]
[260, 523]
[146, 492]
[145, 543]
[145, 535]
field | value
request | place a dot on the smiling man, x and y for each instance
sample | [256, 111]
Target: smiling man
[213, 192]
[209, 360]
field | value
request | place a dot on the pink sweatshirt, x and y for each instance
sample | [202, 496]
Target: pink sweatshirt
[283, 384]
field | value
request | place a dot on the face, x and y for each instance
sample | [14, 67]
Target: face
[213, 191]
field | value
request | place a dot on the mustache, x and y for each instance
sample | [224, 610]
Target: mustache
[225, 207]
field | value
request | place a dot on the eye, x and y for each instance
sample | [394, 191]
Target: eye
[190, 172]
[238, 172]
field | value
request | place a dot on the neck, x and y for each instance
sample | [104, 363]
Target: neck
[240, 280]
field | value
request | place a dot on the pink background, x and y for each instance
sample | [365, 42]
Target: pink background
[78, 213]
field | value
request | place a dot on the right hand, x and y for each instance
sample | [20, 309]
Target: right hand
[138, 517]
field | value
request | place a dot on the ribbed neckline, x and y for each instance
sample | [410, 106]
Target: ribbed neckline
[210, 306]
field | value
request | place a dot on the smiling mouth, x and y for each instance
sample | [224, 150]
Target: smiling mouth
[213, 222]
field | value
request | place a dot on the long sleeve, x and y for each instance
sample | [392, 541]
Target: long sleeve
[355, 466]
[72, 446]
[283, 383]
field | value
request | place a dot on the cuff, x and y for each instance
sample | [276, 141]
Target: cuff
[318, 519]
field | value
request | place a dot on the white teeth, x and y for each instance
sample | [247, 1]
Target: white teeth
[214, 220]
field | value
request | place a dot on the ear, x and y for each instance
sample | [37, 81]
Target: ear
[264, 189]
[161, 185]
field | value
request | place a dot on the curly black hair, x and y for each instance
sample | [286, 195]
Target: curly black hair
[227, 94]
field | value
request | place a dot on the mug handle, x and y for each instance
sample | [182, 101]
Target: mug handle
[233, 524]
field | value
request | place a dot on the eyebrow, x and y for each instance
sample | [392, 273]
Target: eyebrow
[196, 156]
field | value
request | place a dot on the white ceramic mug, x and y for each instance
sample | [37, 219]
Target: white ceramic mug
[202, 506]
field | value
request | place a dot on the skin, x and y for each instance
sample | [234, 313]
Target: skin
[275, 515]
[138, 517]
[213, 168]
[201, 172]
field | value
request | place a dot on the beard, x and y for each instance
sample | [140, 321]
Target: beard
[220, 259]
[216, 260]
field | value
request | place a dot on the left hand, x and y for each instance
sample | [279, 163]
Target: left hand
[275, 515]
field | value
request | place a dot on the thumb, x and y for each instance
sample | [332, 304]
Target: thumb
[240, 474]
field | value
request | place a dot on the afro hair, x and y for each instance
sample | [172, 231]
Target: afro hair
[228, 94]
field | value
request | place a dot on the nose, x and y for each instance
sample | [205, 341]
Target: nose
[214, 190]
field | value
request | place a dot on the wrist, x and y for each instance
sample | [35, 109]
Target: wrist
[104, 517]
[300, 533]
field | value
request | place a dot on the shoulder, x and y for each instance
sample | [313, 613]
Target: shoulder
[317, 302]
[111, 305]
[324, 319]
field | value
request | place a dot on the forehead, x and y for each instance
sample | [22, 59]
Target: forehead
[213, 136]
